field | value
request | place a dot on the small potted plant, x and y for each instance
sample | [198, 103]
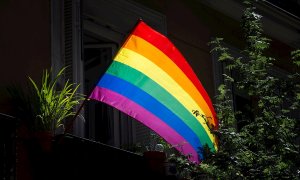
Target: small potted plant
[53, 104]
[41, 109]
[155, 155]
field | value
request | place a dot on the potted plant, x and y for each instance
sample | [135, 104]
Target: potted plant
[52, 105]
[41, 109]
[155, 155]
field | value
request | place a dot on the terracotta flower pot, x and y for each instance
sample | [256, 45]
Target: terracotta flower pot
[44, 140]
[156, 161]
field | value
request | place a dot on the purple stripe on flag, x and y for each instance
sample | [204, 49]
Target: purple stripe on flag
[140, 114]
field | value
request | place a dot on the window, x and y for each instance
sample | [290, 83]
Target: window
[86, 35]
[241, 102]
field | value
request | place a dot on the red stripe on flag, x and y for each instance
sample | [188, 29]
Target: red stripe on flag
[161, 42]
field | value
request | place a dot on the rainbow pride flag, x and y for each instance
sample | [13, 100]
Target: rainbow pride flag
[151, 81]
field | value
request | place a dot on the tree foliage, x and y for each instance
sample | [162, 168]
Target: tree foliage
[261, 141]
[266, 144]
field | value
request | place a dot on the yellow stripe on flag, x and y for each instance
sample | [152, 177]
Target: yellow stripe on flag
[142, 64]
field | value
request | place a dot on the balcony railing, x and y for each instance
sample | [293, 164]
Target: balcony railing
[70, 157]
[79, 158]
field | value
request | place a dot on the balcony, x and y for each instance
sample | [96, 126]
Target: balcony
[70, 157]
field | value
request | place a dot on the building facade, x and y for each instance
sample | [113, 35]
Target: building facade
[85, 35]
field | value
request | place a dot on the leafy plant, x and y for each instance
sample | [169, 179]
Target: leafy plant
[45, 107]
[53, 106]
[265, 145]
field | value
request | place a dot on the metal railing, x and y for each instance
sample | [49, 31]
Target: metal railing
[79, 158]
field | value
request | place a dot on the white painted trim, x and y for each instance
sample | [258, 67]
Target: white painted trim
[79, 124]
[121, 15]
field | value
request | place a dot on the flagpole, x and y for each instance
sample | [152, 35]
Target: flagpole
[70, 124]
